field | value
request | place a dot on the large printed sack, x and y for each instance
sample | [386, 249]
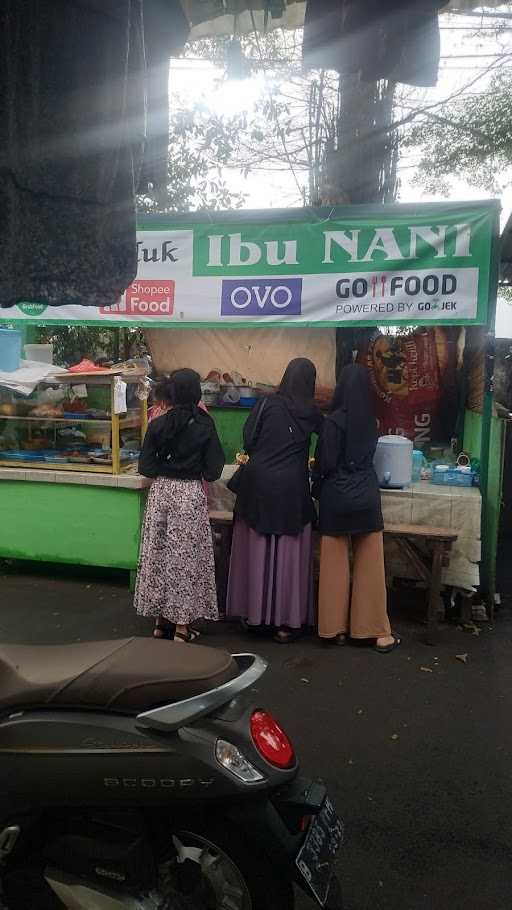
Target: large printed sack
[415, 380]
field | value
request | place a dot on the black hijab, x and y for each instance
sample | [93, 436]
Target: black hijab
[181, 390]
[297, 387]
[353, 409]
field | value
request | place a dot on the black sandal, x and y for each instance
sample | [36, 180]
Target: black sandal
[386, 649]
[287, 636]
[188, 637]
[166, 630]
[340, 640]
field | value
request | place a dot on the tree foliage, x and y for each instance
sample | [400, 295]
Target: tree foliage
[202, 144]
[469, 138]
[73, 342]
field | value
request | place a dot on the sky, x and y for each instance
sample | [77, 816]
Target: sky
[464, 58]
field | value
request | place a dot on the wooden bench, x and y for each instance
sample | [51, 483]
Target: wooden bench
[440, 542]
[429, 567]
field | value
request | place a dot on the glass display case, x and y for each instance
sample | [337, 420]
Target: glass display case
[76, 422]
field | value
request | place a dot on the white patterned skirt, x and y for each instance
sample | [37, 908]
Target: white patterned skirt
[176, 571]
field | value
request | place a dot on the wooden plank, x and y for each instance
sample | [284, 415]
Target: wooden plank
[418, 531]
[221, 517]
[425, 531]
[448, 534]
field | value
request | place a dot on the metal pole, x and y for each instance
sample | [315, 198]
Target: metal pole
[489, 534]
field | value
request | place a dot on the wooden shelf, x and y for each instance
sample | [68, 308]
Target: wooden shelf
[59, 466]
[54, 466]
[124, 422]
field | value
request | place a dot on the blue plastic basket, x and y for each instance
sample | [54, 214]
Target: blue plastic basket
[453, 478]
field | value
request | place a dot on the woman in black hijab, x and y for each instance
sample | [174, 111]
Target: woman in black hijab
[347, 488]
[270, 582]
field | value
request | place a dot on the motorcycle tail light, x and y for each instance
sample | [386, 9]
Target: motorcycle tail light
[234, 761]
[271, 741]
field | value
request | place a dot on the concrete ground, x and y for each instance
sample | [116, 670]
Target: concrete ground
[416, 746]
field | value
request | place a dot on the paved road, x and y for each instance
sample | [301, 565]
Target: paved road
[419, 762]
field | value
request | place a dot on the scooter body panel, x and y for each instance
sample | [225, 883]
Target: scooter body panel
[51, 758]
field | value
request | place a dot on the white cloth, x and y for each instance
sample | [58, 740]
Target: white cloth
[258, 354]
[28, 376]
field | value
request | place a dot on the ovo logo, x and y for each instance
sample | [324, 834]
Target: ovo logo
[261, 297]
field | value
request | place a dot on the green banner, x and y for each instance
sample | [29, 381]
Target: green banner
[359, 265]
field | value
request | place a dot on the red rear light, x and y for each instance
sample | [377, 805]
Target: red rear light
[271, 742]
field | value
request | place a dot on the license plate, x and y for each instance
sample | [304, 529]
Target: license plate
[315, 860]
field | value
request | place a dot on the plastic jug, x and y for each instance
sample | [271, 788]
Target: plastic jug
[42, 353]
[393, 462]
[418, 463]
[10, 350]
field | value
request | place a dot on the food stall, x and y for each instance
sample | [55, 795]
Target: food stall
[69, 445]
[214, 291]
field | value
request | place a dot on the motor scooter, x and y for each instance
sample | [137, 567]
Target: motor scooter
[137, 774]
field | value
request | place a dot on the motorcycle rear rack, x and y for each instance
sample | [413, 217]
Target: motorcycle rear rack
[172, 717]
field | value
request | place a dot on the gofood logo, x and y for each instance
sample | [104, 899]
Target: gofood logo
[261, 297]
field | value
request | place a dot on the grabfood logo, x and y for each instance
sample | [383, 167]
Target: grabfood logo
[261, 297]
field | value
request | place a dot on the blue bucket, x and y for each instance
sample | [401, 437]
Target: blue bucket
[10, 350]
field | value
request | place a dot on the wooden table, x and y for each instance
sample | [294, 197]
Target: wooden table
[440, 542]
[429, 567]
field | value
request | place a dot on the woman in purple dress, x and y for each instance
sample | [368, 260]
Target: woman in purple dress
[270, 580]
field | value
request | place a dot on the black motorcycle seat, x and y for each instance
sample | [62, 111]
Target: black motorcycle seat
[127, 676]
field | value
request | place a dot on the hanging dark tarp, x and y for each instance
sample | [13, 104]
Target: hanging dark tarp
[398, 40]
[73, 94]
[212, 18]
[81, 87]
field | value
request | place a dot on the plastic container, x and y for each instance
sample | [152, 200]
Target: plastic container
[56, 459]
[229, 395]
[393, 462]
[419, 462]
[10, 350]
[248, 402]
[41, 353]
[246, 391]
[452, 477]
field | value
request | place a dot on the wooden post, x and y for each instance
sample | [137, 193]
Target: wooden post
[434, 594]
[116, 456]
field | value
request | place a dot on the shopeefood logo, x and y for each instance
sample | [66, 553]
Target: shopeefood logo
[144, 297]
[261, 297]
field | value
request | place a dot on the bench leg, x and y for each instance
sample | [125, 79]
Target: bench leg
[466, 606]
[434, 595]
[133, 579]
[222, 568]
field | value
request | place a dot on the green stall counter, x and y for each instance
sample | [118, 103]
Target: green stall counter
[230, 425]
[491, 501]
[71, 517]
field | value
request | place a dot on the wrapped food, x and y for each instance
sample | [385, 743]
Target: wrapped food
[47, 410]
[86, 366]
